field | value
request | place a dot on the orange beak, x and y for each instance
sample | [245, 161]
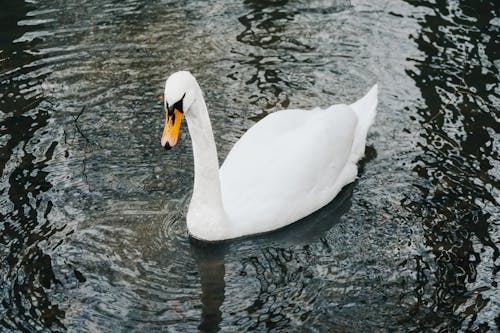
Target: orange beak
[171, 129]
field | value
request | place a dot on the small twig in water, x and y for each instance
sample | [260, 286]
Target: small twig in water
[78, 127]
[79, 130]
[87, 143]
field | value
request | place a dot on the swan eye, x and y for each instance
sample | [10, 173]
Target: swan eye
[176, 106]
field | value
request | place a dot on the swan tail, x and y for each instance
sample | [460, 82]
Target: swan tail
[366, 109]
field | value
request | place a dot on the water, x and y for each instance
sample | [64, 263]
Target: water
[93, 235]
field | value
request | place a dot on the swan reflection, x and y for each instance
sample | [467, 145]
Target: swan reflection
[210, 258]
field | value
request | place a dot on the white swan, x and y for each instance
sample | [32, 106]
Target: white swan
[285, 167]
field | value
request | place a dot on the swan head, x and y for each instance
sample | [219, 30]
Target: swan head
[180, 92]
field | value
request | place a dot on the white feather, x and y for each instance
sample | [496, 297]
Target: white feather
[285, 167]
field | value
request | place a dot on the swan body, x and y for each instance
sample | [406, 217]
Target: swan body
[288, 165]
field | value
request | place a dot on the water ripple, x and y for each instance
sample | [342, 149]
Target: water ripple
[93, 211]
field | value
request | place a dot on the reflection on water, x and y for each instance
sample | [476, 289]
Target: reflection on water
[458, 197]
[210, 259]
[26, 233]
[279, 52]
[93, 211]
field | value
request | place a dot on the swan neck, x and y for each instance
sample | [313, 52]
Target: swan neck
[206, 216]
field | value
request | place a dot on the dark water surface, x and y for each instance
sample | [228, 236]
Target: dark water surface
[92, 210]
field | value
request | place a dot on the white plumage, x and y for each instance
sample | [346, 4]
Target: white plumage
[288, 165]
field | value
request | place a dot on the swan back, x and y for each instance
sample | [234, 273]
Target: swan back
[292, 163]
[287, 166]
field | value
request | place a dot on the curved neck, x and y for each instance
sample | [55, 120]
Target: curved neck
[206, 217]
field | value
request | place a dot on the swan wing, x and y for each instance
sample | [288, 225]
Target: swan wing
[288, 165]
